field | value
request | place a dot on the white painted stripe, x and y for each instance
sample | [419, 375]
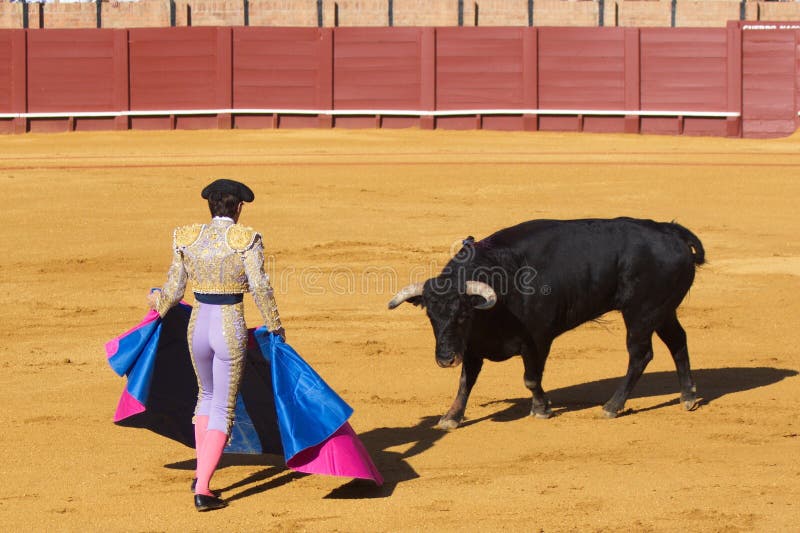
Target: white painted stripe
[370, 112]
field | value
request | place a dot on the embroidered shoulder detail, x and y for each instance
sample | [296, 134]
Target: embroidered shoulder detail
[240, 238]
[186, 235]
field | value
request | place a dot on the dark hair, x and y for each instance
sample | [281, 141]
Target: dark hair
[223, 204]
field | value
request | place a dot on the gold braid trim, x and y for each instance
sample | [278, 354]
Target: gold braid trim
[240, 238]
[190, 338]
[234, 331]
[220, 288]
[186, 235]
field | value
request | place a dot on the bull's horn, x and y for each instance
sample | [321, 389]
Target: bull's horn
[409, 291]
[479, 288]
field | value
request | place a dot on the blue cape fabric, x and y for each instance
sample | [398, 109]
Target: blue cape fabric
[135, 358]
[283, 406]
[161, 389]
[308, 410]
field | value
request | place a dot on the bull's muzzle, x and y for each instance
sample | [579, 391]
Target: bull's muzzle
[454, 359]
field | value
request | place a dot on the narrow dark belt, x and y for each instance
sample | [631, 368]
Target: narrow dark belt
[219, 299]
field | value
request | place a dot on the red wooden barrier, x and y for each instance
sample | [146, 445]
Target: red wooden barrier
[377, 70]
[582, 68]
[13, 79]
[6, 68]
[284, 68]
[70, 69]
[684, 69]
[481, 68]
[769, 87]
[733, 81]
[186, 68]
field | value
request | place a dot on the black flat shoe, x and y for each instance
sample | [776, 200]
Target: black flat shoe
[208, 503]
[194, 484]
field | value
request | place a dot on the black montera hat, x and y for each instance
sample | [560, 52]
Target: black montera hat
[240, 190]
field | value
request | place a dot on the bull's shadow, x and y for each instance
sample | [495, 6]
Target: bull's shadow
[386, 444]
[712, 384]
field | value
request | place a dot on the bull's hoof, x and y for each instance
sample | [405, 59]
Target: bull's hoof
[610, 413]
[542, 414]
[689, 401]
[447, 423]
[612, 408]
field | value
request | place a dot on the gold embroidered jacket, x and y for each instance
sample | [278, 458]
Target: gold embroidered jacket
[219, 258]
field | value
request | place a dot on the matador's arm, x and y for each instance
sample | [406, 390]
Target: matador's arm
[259, 283]
[172, 291]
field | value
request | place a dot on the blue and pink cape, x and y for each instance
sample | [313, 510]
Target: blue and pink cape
[283, 405]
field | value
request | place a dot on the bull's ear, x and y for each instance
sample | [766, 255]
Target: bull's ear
[417, 301]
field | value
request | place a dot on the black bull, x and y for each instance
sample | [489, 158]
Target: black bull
[515, 291]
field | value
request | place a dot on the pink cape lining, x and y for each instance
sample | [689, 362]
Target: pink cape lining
[113, 345]
[127, 406]
[342, 454]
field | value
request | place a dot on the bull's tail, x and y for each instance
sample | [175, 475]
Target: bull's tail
[698, 253]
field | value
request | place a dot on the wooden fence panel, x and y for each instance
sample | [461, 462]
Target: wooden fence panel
[480, 68]
[376, 69]
[6, 70]
[13, 79]
[684, 69]
[769, 71]
[281, 68]
[582, 68]
[70, 70]
[179, 69]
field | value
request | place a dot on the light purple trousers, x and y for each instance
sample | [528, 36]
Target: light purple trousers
[218, 344]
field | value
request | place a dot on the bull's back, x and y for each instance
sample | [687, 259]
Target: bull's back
[595, 242]
[585, 268]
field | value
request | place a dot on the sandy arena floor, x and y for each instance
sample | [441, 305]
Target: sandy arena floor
[349, 216]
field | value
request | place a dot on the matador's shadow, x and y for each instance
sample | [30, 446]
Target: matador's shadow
[712, 384]
[393, 465]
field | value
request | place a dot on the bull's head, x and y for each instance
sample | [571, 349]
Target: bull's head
[450, 309]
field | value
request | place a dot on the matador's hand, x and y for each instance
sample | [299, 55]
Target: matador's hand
[152, 298]
[280, 332]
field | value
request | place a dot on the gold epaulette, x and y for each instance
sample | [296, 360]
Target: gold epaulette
[240, 238]
[186, 235]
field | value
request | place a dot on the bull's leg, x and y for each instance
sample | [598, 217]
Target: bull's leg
[534, 369]
[640, 352]
[674, 336]
[470, 369]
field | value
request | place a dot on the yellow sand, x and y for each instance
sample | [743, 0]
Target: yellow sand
[349, 217]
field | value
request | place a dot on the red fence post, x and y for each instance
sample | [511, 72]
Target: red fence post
[633, 80]
[734, 124]
[530, 77]
[325, 87]
[427, 97]
[19, 79]
[224, 76]
[121, 79]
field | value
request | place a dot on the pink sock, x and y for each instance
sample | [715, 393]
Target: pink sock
[200, 428]
[208, 458]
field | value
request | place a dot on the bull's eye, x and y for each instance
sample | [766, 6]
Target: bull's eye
[461, 319]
